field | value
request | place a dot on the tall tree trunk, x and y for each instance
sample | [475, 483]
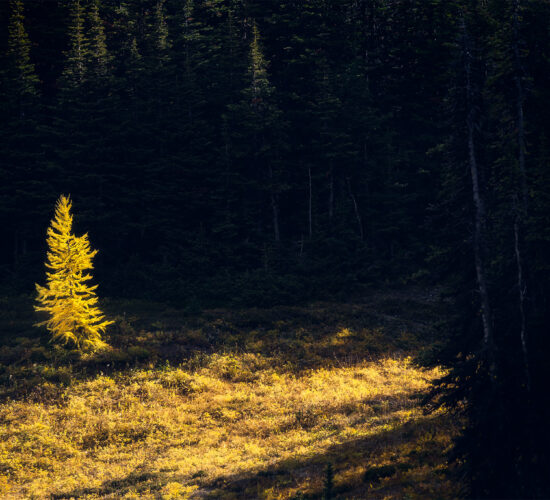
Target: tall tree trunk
[274, 206]
[520, 212]
[479, 204]
[310, 204]
[331, 194]
[522, 290]
[356, 210]
[275, 211]
[15, 250]
[518, 70]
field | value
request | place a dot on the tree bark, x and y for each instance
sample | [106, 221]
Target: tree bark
[356, 210]
[15, 250]
[331, 194]
[520, 212]
[310, 204]
[274, 207]
[275, 211]
[479, 204]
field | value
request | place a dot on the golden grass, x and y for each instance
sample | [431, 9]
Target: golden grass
[254, 405]
[175, 433]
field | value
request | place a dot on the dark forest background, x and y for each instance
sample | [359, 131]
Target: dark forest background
[215, 151]
[233, 152]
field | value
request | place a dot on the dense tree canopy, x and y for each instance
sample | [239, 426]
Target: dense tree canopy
[226, 148]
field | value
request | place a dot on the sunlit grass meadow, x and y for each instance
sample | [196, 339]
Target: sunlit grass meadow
[244, 405]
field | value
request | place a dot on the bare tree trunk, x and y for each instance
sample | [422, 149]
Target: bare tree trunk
[519, 106]
[310, 205]
[275, 210]
[15, 249]
[274, 207]
[331, 195]
[522, 289]
[520, 212]
[356, 210]
[480, 214]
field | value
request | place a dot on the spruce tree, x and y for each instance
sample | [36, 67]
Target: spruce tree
[257, 127]
[99, 58]
[21, 84]
[74, 72]
[68, 139]
[68, 299]
[328, 482]
[86, 121]
[496, 380]
[102, 122]
[20, 138]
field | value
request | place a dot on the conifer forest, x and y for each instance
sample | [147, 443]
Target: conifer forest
[259, 249]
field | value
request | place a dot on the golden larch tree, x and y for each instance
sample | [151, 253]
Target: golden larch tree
[68, 298]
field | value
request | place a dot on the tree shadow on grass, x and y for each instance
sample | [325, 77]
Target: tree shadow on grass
[292, 339]
[137, 481]
[407, 460]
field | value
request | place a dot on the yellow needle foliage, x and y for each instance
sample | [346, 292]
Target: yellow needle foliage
[68, 298]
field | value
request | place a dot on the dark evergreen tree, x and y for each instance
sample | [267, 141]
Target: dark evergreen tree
[257, 130]
[493, 372]
[23, 185]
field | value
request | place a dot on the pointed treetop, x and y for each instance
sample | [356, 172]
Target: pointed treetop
[23, 77]
[160, 37]
[261, 87]
[98, 53]
[75, 67]
[63, 221]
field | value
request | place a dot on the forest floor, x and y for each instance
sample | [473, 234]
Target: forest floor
[227, 404]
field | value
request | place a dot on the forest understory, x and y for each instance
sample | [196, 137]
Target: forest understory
[232, 404]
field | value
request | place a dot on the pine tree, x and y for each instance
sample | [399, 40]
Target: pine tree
[20, 111]
[75, 67]
[101, 123]
[69, 300]
[85, 119]
[258, 142]
[328, 482]
[70, 121]
[98, 55]
[503, 447]
[23, 81]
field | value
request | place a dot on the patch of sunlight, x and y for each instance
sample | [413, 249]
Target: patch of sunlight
[174, 433]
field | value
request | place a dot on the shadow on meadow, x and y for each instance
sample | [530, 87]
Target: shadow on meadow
[152, 335]
[405, 461]
[226, 404]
